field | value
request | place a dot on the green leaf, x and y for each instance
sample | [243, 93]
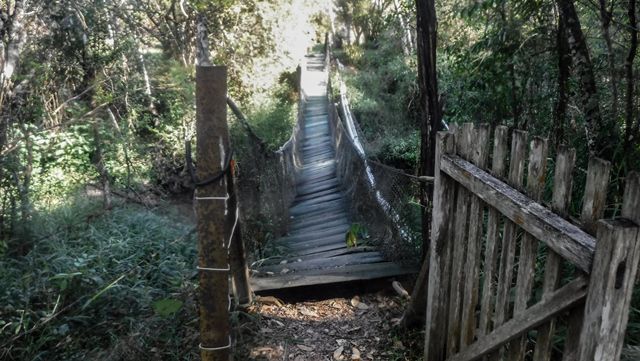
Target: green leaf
[167, 306]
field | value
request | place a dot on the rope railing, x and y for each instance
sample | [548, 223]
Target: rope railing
[267, 178]
[383, 198]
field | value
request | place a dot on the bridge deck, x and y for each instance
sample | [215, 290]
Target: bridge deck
[315, 251]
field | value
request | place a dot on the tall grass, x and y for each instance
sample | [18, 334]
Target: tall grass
[88, 287]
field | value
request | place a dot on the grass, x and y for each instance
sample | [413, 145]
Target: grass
[91, 286]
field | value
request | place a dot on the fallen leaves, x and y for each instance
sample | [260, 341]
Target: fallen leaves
[355, 302]
[339, 329]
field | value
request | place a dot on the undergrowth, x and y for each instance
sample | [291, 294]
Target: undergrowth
[116, 285]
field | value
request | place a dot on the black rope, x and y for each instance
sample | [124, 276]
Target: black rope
[192, 172]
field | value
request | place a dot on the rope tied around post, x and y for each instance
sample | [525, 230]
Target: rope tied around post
[229, 163]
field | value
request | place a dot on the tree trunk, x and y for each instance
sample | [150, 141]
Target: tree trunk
[630, 136]
[13, 37]
[605, 22]
[429, 107]
[98, 162]
[600, 141]
[431, 122]
[564, 71]
[202, 42]
[24, 187]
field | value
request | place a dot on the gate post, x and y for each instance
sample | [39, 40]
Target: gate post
[610, 287]
[212, 209]
[439, 255]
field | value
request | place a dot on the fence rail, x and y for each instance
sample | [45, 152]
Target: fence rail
[493, 242]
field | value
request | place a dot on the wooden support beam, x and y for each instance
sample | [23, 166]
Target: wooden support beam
[610, 289]
[211, 210]
[564, 238]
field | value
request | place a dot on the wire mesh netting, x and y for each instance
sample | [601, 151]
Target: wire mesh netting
[383, 201]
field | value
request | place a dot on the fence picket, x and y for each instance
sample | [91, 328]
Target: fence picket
[479, 156]
[491, 249]
[464, 144]
[537, 172]
[561, 198]
[505, 275]
[439, 256]
[631, 198]
[593, 204]
[462, 327]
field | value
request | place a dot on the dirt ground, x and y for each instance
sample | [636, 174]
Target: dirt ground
[356, 328]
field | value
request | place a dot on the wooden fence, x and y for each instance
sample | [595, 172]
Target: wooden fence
[494, 243]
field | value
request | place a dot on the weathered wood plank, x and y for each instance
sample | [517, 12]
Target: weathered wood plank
[328, 262]
[595, 193]
[329, 276]
[539, 313]
[536, 176]
[505, 275]
[631, 198]
[610, 289]
[464, 144]
[593, 205]
[479, 157]
[491, 250]
[439, 257]
[561, 199]
[564, 238]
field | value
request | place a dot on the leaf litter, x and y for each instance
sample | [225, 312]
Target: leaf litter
[359, 328]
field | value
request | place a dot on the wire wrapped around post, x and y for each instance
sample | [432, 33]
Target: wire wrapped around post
[212, 209]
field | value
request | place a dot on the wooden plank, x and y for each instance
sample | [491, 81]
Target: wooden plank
[318, 227]
[303, 236]
[439, 256]
[610, 289]
[480, 157]
[332, 253]
[536, 177]
[327, 262]
[464, 145]
[330, 276]
[595, 193]
[561, 199]
[564, 238]
[593, 205]
[505, 273]
[539, 313]
[631, 198]
[491, 249]
[302, 222]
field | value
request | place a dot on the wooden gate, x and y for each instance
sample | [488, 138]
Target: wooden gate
[494, 242]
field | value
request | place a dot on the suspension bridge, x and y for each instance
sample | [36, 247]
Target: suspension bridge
[314, 250]
[509, 273]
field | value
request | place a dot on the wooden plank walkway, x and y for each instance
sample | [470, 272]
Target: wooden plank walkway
[315, 251]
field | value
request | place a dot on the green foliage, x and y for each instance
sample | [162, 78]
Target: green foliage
[86, 285]
[356, 235]
[382, 92]
[167, 306]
